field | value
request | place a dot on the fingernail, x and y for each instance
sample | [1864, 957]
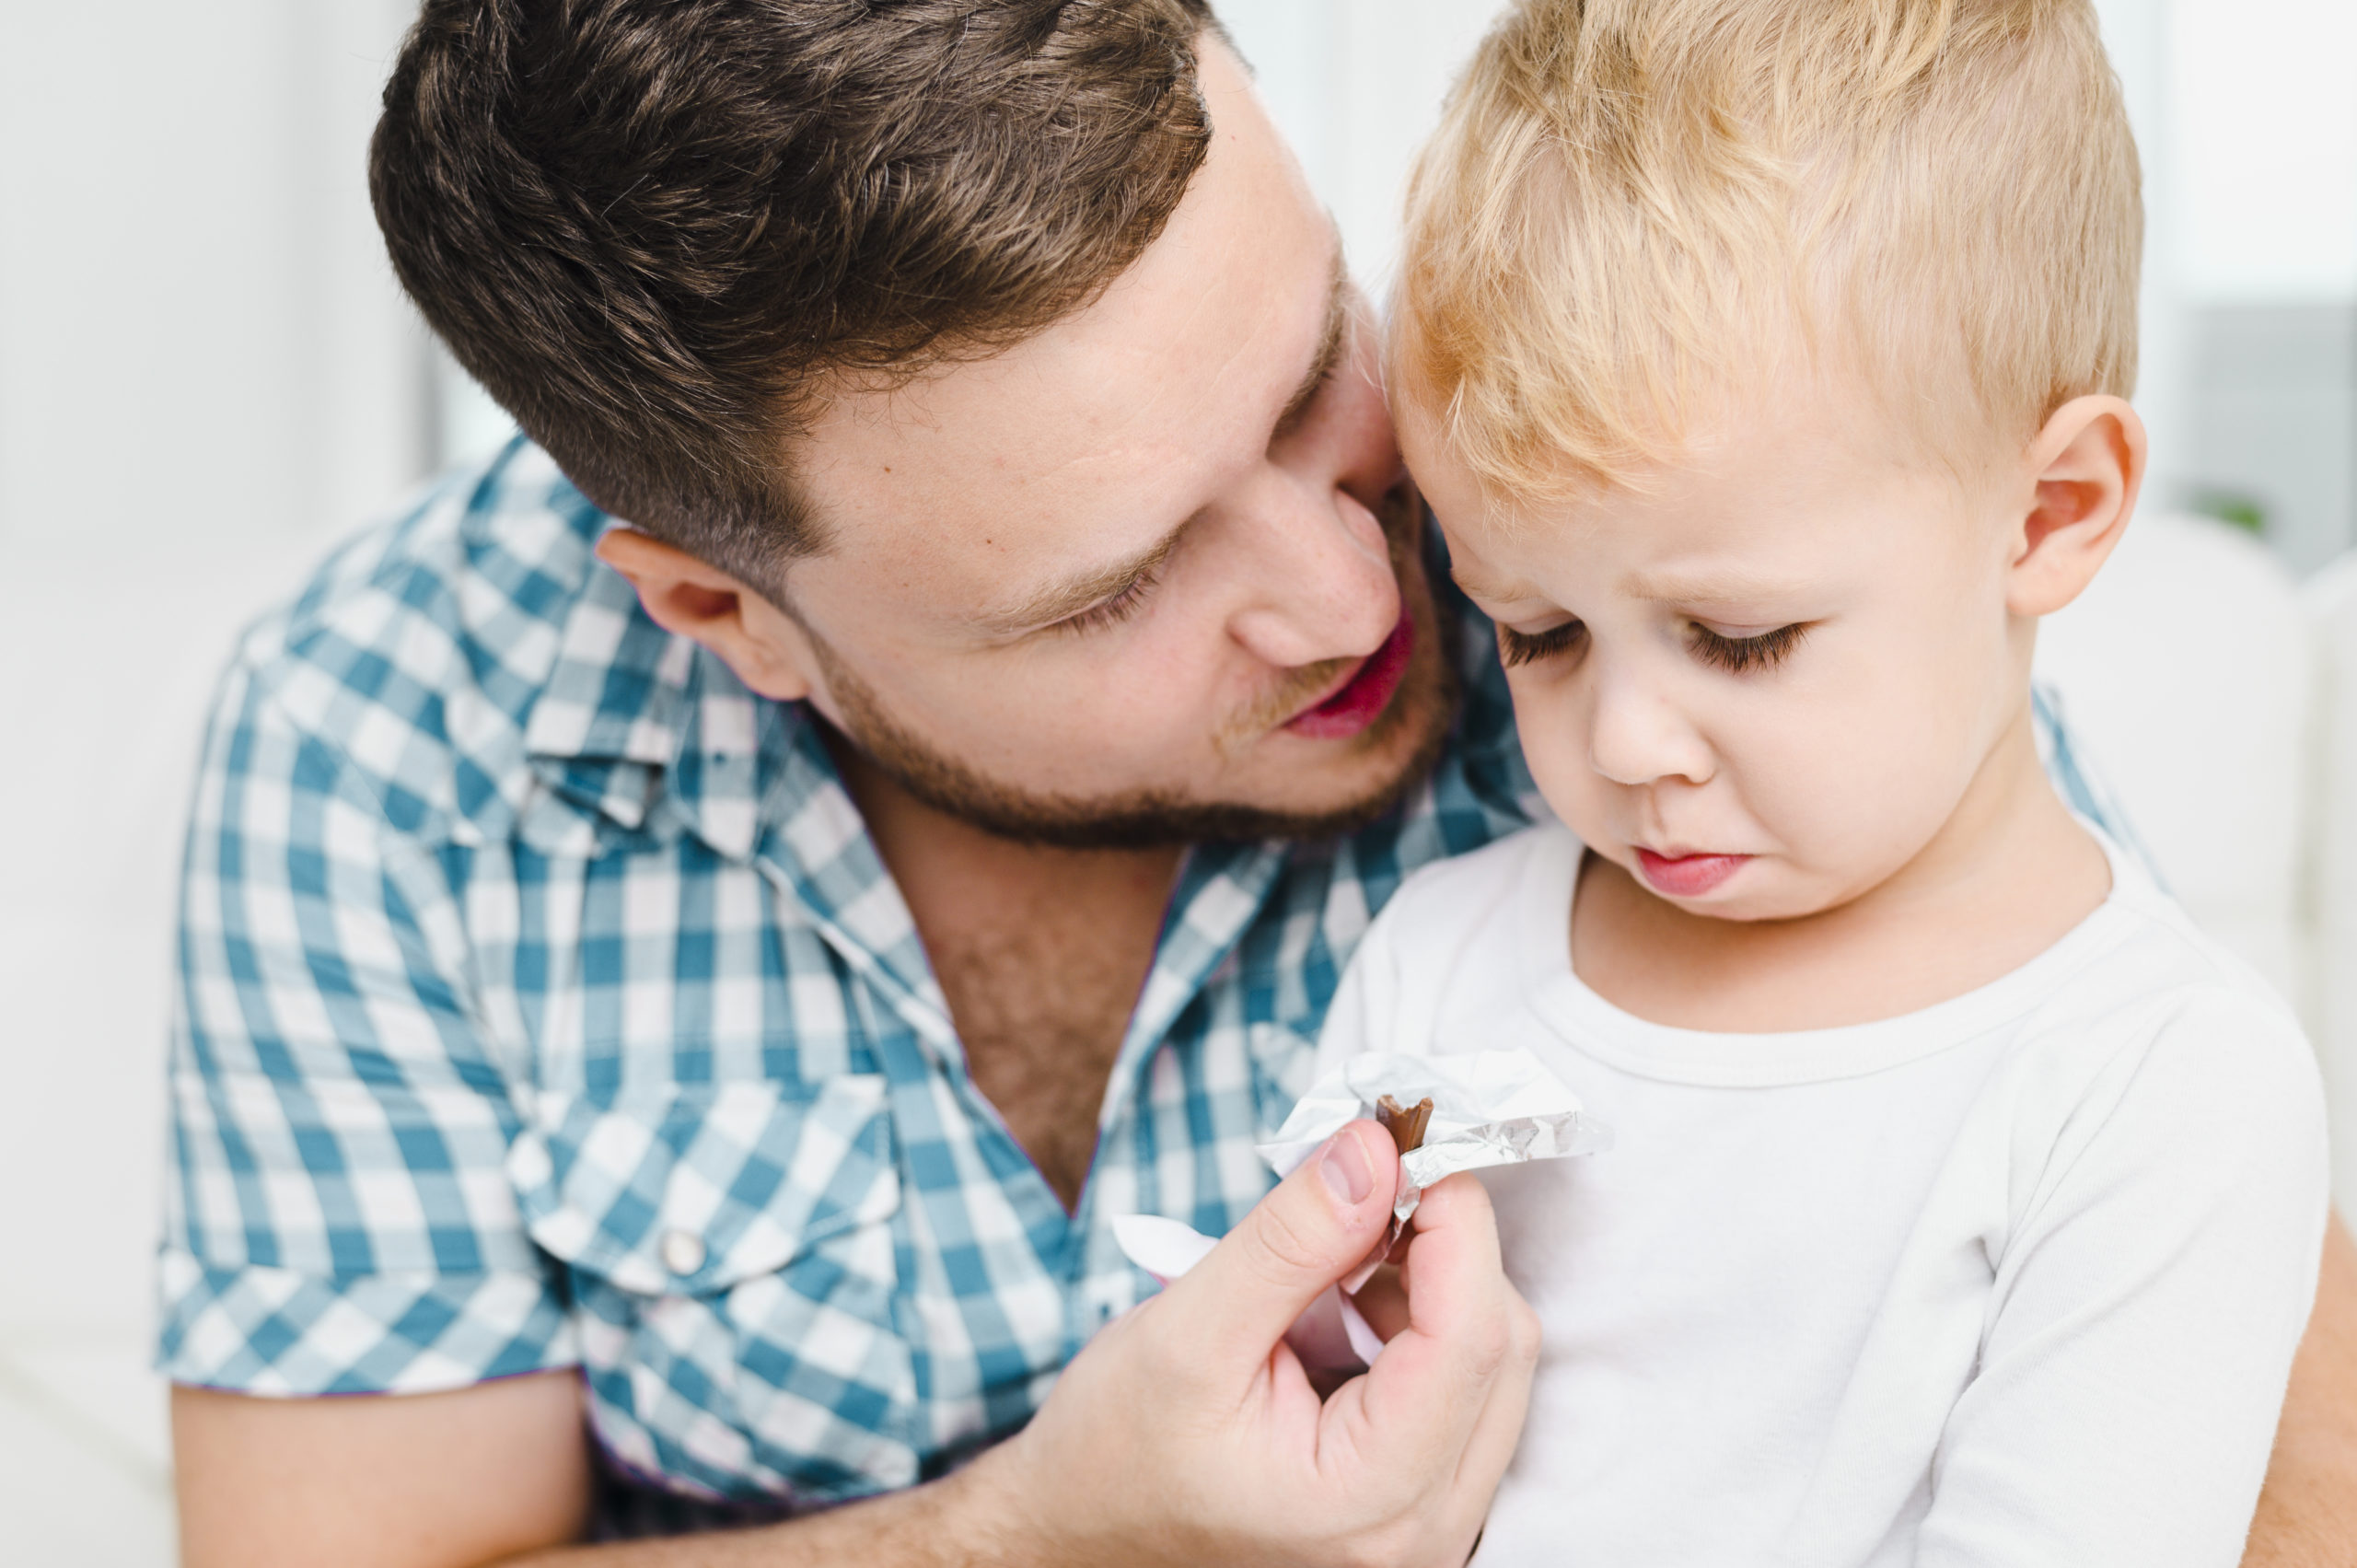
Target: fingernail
[1345, 1167]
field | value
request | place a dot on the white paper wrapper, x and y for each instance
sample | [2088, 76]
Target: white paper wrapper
[1489, 1108]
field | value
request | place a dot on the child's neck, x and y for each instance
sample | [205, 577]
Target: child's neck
[2008, 875]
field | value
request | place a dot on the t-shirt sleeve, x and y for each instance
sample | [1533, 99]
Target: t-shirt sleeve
[338, 1216]
[2149, 1300]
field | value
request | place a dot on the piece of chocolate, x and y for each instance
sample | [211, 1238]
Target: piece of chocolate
[1405, 1123]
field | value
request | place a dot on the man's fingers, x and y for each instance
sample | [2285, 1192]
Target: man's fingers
[1498, 1432]
[1232, 1308]
[1465, 1321]
[1383, 1301]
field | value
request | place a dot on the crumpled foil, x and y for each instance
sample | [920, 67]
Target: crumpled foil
[1489, 1108]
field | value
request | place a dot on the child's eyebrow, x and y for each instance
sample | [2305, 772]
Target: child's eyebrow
[1714, 585]
[1506, 592]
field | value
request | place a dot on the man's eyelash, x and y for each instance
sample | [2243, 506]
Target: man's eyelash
[1522, 647]
[1736, 655]
[1114, 610]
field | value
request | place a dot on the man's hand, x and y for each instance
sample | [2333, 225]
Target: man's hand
[1188, 1432]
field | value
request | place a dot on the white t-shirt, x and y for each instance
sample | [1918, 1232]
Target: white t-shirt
[2013, 1280]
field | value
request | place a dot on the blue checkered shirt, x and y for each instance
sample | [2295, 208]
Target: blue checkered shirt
[545, 1004]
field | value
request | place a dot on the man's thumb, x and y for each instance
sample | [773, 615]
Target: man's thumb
[1318, 1225]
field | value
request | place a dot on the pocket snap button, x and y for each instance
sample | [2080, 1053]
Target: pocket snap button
[683, 1251]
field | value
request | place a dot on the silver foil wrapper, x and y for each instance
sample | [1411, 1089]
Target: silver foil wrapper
[1489, 1108]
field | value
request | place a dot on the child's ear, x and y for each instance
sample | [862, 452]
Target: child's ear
[2086, 467]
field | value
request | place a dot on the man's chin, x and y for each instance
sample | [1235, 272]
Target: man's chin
[1372, 773]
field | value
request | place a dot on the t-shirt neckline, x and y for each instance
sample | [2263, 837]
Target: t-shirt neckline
[1596, 1028]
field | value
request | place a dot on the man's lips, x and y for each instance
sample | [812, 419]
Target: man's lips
[1688, 876]
[1366, 694]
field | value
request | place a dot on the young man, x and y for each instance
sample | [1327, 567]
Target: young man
[724, 985]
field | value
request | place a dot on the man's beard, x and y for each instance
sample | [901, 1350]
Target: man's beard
[1426, 702]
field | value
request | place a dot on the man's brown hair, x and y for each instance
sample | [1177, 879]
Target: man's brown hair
[656, 230]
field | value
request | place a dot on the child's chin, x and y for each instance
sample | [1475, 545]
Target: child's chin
[1759, 901]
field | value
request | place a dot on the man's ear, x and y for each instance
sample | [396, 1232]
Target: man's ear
[768, 652]
[2086, 467]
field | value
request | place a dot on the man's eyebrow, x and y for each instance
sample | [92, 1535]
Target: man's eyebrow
[1329, 351]
[1063, 600]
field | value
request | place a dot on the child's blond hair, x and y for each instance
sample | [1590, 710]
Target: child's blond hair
[1632, 202]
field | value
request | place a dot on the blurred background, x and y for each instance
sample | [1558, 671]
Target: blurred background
[207, 377]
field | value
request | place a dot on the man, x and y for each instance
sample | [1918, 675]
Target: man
[677, 1006]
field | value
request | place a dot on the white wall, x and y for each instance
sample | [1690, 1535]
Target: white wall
[1357, 85]
[200, 342]
[2266, 104]
[2138, 35]
[2266, 99]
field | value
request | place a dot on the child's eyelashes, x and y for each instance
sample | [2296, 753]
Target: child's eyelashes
[1716, 649]
[1524, 647]
[1736, 655]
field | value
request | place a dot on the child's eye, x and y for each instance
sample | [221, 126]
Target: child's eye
[1522, 647]
[1737, 655]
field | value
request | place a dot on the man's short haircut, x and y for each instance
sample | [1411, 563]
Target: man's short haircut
[1636, 204]
[657, 231]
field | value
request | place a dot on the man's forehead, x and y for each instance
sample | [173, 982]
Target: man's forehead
[1090, 440]
[1136, 379]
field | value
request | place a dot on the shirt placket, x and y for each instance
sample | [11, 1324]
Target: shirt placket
[1222, 890]
[983, 1237]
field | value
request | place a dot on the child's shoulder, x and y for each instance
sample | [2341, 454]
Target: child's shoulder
[1494, 884]
[1457, 946]
[2167, 1019]
[2166, 961]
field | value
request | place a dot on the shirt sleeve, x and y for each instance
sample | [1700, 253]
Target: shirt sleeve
[337, 1217]
[2147, 1305]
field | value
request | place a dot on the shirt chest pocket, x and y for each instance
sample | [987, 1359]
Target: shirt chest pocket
[733, 1262]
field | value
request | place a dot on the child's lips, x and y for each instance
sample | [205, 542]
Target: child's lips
[1688, 876]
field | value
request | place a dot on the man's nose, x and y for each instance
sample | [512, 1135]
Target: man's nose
[1638, 735]
[1323, 585]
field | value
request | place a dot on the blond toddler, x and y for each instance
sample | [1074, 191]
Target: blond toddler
[1765, 363]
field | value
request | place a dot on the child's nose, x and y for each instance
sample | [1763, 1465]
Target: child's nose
[1637, 737]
